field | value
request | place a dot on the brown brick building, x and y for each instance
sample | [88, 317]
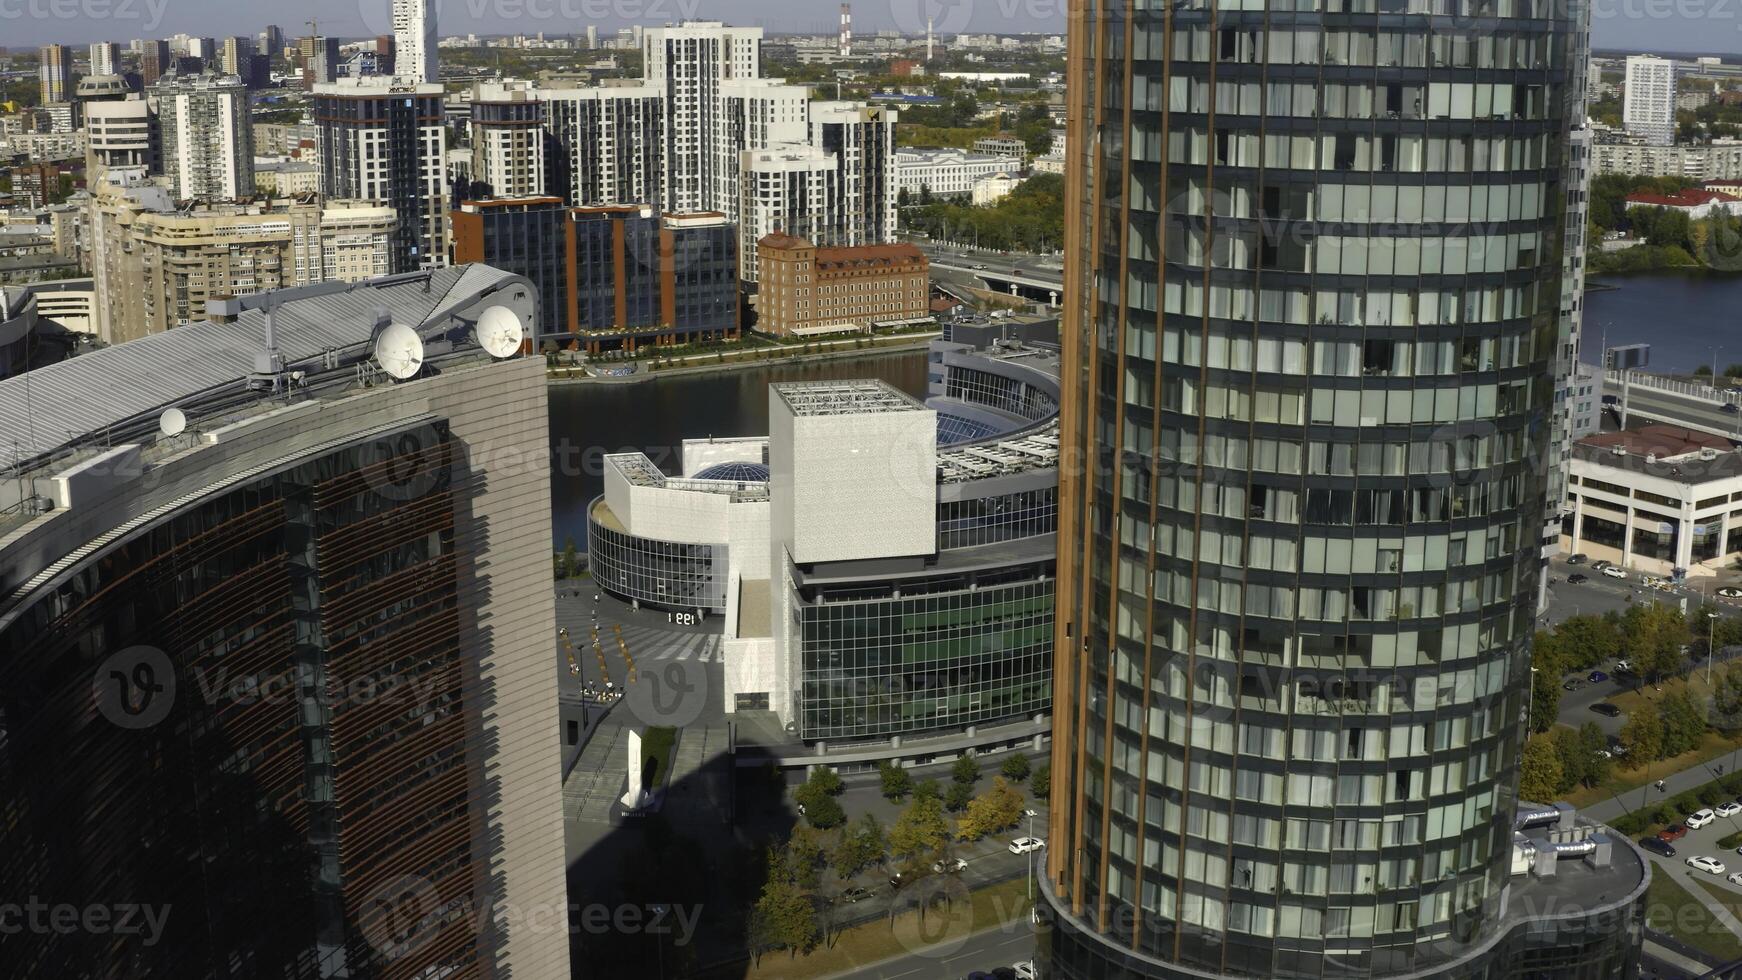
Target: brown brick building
[810, 290]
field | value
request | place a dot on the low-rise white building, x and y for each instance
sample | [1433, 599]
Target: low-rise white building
[991, 190]
[947, 173]
[1655, 499]
[1694, 204]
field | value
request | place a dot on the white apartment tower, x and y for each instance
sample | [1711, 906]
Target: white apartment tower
[105, 58]
[605, 144]
[692, 61]
[383, 141]
[787, 188]
[414, 40]
[208, 143]
[1648, 109]
[508, 138]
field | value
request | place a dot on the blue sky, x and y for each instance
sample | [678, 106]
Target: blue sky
[1663, 25]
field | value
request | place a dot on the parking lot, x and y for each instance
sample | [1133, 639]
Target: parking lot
[1703, 842]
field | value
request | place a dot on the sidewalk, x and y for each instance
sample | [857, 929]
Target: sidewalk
[1648, 794]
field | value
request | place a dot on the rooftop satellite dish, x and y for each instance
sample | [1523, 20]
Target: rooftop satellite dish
[500, 332]
[173, 422]
[399, 351]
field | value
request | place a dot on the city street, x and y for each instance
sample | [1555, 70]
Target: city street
[1004, 945]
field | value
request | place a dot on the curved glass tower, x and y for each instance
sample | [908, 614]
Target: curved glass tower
[1310, 346]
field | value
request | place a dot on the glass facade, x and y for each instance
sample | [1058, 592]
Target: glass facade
[996, 391]
[891, 659]
[269, 798]
[1311, 316]
[666, 574]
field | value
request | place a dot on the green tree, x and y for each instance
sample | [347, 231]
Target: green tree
[1040, 783]
[1653, 635]
[1546, 658]
[966, 770]
[825, 812]
[928, 789]
[958, 796]
[1727, 698]
[920, 829]
[1539, 771]
[783, 918]
[1684, 722]
[1015, 768]
[862, 844]
[1643, 734]
[1584, 642]
[991, 811]
[1570, 752]
[827, 780]
[804, 855]
[571, 558]
[1595, 745]
[896, 781]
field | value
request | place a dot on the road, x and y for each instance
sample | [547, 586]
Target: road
[1004, 945]
[1697, 413]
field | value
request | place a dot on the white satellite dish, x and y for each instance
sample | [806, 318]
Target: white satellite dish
[500, 332]
[399, 351]
[173, 422]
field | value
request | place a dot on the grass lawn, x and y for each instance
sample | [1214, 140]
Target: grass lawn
[1722, 943]
[658, 743]
[1671, 908]
[1712, 747]
[1005, 903]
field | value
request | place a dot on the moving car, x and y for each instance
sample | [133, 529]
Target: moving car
[1613, 572]
[1606, 709]
[1728, 808]
[1597, 677]
[1699, 818]
[1673, 832]
[1729, 408]
[950, 866]
[1578, 579]
[1578, 559]
[1730, 593]
[1658, 845]
[1022, 845]
[1709, 865]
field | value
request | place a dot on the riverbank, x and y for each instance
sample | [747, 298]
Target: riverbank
[705, 364]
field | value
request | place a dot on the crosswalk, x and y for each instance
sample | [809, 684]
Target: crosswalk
[650, 645]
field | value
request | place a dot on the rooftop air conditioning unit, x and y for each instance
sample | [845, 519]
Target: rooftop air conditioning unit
[1619, 450]
[1708, 454]
[1651, 457]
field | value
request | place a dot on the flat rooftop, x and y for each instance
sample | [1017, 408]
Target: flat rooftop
[1669, 452]
[817, 398]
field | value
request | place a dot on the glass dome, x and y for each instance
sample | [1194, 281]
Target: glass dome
[736, 472]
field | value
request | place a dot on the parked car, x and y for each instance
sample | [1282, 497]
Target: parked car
[1730, 593]
[1577, 579]
[1616, 747]
[1673, 832]
[948, 867]
[1025, 970]
[1022, 845]
[1613, 572]
[1605, 754]
[1601, 564]
[1728, 808]
[1578, 559]
[1710, 865]
[1030, 813]
[1657, 845]
[1623, 665]
[1597, 677]
[1606, 709]
[1699, 818]
[1735, 878]
[1573, 685]
[855, 894]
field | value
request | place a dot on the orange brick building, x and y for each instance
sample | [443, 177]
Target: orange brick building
[809, 290]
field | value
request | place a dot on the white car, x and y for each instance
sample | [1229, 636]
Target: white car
[1614, 572]
[952, 866]
[1024, 970]
[1711, 866]
[1623, 665]
[1030, 813]
[1022, 845]
[1699, 818]
[1735, 878]
[1728, 808]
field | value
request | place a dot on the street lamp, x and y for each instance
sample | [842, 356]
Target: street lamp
[1530, 705]
[1031, 857]
[1711, 631]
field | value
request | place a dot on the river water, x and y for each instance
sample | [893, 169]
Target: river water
[1683, 316]
[588, 421]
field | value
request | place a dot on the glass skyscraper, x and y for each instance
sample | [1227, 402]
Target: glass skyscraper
[1311, 322]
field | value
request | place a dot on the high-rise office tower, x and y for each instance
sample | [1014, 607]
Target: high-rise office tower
[383, 140]
[271, 41]
[384, 60]
[691, 61]
[606, 146]
[1648, 102]
[236, 55]
[154, 61]
[414, 40]
[301, 657]
[54, 74]
[208, 142]
[105, 58]
[1312, 296]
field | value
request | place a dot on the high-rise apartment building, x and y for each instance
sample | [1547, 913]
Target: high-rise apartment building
[690, 62]
[237, 55]
[861, 138]
[54, 74]
[270, 42]
[1648, 101]
[120, 128]
[606, 146]
[382, 140]
[787, 189]
[508, 138]
[414, 40]
[155, 263]
[208, 139]
[320, 60]
[1310, 352]
[300, 653]
[155, 61]
[105, 58]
